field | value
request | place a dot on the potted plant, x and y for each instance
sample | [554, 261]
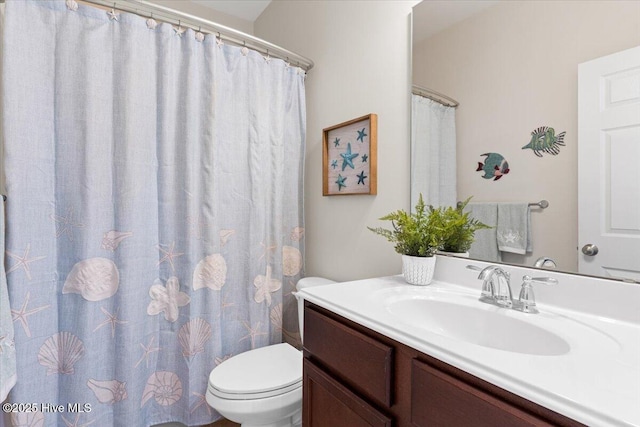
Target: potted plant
[417, 238]
[457, 228]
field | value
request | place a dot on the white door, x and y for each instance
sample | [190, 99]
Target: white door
[609, 165]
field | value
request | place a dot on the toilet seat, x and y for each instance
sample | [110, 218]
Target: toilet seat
[257, 374]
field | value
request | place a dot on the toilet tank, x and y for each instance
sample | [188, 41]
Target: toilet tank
[307, 282]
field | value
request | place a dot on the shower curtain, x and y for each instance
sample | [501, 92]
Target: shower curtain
[433, 152]
[154, 221]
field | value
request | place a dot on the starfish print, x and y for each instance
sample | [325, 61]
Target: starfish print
[334, 164]
[267, 58]
[340, 182]
[510, 236]
[111, 318]
[65, 224]
[336, 142]
[23, 313]
[364, 158]
[75, 422]
[23, 261]
[347, 157]
[169, 255]
[361, 177]
[253, 333]
[267, 252]
[219, 41]
[361, 135]
[224, 304]
[113, 16]
[167, 299]
[148, 349]
[179, 31]
[200, 401]
[265, 286]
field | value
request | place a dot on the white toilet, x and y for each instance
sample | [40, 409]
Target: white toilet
[262, 387]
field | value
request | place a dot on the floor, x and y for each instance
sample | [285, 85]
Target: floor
[223, 423]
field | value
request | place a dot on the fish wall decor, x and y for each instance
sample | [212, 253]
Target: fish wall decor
[494, 166]
[545, 140]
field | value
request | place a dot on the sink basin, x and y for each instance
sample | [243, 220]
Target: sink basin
[484, 326]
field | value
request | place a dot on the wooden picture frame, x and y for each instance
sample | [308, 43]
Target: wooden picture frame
[350, 157]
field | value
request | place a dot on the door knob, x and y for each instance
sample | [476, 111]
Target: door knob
[590, 249]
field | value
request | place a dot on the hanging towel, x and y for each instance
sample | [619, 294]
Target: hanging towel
[514, 228]
[485, 245]
[7, 350]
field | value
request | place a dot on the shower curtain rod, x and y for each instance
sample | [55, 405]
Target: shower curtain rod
[238, 38]
[434, 96]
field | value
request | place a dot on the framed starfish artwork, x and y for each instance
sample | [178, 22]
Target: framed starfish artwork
[349, 157]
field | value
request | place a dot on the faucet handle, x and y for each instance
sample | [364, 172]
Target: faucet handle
[543, 280]
[527, 299]
[473, 267]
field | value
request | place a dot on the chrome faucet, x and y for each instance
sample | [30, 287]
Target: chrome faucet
[496, 288]
[545, 262]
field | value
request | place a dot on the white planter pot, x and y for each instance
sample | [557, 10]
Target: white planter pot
[418, 270]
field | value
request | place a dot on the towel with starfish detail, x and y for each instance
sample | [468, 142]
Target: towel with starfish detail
[514, 228]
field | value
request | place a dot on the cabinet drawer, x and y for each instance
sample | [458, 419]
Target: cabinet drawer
[328, 403]
[438, 399]
[356, 359]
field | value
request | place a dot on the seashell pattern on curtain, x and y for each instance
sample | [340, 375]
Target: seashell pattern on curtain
[154, 227]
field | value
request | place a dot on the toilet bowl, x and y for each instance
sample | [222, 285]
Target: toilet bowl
[262, 387]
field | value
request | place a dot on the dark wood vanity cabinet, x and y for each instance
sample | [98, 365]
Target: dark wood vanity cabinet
[356, 377]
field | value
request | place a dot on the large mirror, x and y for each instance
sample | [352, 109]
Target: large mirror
[513, 68]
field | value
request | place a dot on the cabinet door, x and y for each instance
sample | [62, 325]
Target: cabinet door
[357, 360]
[440, 400]
[327, 403]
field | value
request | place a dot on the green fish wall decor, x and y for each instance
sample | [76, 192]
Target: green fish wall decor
[494, 166]
[545, 140]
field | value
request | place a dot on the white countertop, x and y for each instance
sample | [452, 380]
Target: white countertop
[597, 382]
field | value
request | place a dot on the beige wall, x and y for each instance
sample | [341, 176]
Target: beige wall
[361, 51]
[514, 68]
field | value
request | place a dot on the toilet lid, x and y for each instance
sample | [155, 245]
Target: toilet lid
[259, 373]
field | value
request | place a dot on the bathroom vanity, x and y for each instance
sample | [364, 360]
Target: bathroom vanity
[379, 352]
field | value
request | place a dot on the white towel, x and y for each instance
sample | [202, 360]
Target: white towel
[485, 245]
[514, 228]
[7, 350]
